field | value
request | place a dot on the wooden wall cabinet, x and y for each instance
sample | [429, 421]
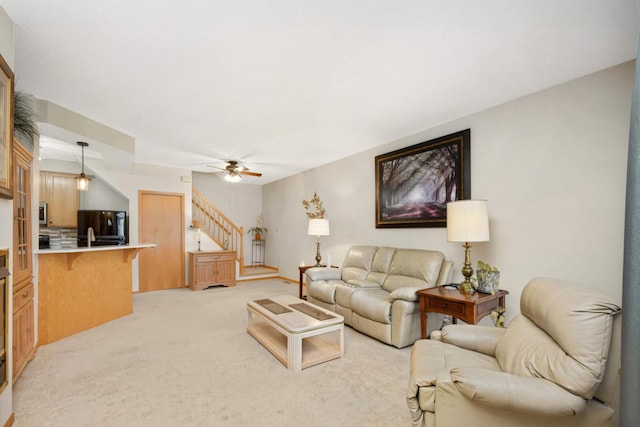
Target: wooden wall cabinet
[210, 268]
[23, 308]
[59, 191]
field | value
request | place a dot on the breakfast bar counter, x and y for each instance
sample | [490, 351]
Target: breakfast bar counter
[79, 288]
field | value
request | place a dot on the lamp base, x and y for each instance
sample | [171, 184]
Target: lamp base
[318, 257]
[467, 270]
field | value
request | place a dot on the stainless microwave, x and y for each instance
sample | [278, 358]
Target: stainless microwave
[42, 215]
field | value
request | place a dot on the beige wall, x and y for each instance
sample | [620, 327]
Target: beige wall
[150, 178]
[7, 50]
[552, 166]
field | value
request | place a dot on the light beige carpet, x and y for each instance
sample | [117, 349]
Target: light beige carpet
[184, 358]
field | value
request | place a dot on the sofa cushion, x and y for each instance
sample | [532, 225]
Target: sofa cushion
[382, 260]
[372, 304]
[324, 290]
[564, 339]
[343, 295]
[413, 268]
[363, 284]
[360, 257]
[357, 262]
[353, 273]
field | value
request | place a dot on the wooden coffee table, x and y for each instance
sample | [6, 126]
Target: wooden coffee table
[299, 334]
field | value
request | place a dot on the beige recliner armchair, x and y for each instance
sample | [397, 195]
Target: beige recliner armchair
[545, 369]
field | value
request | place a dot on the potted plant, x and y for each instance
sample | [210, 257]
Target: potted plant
[259, 229]
[257, 232]
[25, 122]
[488, 278]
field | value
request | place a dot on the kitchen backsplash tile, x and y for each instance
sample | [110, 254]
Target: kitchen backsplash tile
[61, 238]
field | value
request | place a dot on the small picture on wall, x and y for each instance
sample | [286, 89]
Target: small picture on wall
[414, 184]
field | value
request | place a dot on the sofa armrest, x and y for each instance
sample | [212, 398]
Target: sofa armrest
[517, 393]
[323, 273]
[406, 294]
[446, 273]
[482, 339]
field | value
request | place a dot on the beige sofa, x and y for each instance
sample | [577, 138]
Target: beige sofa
[546, 369]
[375, 289]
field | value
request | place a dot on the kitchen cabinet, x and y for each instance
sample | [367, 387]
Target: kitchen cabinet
[23, 328]
[23, 308]
[59, 191]
[210, 268]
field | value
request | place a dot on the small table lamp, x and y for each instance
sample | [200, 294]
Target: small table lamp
[467, 221]
[318, 227]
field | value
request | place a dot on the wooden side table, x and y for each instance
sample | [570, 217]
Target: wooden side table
[302, 269]
[469, 308]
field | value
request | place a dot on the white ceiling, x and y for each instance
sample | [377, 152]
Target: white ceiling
[287, 85]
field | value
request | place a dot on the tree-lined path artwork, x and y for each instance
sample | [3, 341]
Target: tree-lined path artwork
[414, 184]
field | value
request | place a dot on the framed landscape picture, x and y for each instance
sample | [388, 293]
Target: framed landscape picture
[414, 184]
[6, 128]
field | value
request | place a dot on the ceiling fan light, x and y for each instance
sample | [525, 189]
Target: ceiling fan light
[232, 177]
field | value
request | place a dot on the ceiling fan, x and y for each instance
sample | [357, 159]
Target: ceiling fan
[234, 172]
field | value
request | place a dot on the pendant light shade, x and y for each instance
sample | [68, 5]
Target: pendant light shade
[83, 181]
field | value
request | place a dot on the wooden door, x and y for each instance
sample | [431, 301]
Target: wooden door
[161, 221]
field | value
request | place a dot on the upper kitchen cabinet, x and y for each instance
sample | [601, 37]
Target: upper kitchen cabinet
[59, 191]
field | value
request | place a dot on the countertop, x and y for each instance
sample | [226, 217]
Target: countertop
[94, 249]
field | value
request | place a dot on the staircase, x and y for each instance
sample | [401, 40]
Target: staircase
[223, 232]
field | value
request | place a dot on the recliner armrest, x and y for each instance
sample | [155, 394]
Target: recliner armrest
[482, 339]
[406, 294]
[517, 393]
[323, 273]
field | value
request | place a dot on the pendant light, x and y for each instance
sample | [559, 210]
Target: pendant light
[83, 181]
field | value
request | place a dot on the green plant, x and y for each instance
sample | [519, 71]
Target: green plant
[25, 123]
[257, 230]
[497, 316]
[486, 267]
[487, 278]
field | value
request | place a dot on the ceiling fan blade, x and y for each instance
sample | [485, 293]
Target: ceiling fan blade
[246, 172]
[216, 167]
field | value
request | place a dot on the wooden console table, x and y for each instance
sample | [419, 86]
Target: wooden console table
[468, 307]
[211, 268]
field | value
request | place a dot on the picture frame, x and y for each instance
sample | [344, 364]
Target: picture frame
[6, 128]
[414, 184]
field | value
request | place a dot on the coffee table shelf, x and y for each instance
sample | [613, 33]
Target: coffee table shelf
[297, 340]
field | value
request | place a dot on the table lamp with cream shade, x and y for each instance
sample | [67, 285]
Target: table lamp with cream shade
[467, 222]
[318, 227]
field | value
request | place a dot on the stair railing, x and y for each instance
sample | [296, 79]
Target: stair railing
[217, 226]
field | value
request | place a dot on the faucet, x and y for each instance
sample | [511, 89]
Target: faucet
[91, 237]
